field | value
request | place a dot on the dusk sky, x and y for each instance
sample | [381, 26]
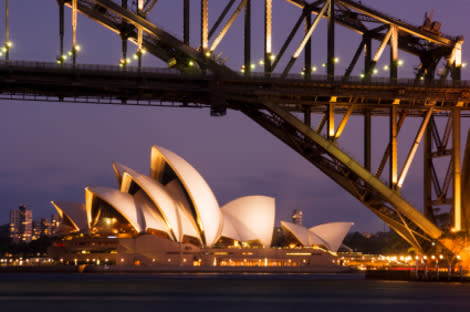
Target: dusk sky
[51, 151]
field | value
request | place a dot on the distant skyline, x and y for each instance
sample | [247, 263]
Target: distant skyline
[52, 151]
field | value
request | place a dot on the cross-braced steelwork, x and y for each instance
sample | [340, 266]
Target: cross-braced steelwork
[284, 104]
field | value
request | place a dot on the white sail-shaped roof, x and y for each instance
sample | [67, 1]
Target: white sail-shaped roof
[152, 218]
[188, 224]
[188, 228]
[157, 193]
[333, 233]
[329, 235]
[299, 232]
[208, 215]
[75, 212]
[118, 173]
[229, 230]
[123, 203]
[252, 217]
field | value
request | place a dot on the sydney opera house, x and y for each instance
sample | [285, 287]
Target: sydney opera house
[172, 218]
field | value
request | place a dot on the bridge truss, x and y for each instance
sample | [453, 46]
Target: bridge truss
[284, 105]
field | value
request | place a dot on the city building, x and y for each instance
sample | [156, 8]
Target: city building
[54, 225]
[36, 230]
[21, 225]
[297, 217]
[172, 217]
[45, 227]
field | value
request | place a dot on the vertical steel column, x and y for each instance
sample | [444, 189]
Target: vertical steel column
[393, 153]
[61, 32]
[308, 116]
[267, 36]
[427, 174]
[367, 140]
[140, 7]
[7, 31]
[331, 41]
[367, 56]
[74, 32]
[456, 169]
[394, 54]
[186, 22]
[466, 186]
[247, 35]
[140, 39]
[331, 119]
[456, 73]
[455, 60]
[124, 38]
[308, 46]
[204, 26]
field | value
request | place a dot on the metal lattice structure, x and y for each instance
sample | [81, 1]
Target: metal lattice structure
[284, 105]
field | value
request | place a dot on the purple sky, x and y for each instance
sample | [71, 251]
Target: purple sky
[51, 151]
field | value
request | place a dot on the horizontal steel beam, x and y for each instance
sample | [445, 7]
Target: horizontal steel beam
[51, 79]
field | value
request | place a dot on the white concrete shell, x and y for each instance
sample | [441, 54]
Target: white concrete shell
[298, 231]
[188, 224]
[75, 212]
[188, 227]
[152, 218]
[162, 200]
[123, 203]
[117, 171]
[229, 230]
[329, 235]
[252, 217]
[333, 233]
[208, 217]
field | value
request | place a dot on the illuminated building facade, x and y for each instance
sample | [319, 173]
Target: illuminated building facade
[172, 217]
[21, 225]
[297, 217]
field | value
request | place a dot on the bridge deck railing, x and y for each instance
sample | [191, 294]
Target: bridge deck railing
[374, 81]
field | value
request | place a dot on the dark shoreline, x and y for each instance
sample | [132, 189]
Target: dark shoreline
[174, 270]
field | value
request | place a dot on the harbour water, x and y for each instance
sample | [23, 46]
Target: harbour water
[222, 292]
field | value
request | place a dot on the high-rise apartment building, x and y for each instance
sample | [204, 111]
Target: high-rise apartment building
[21, 225]
[297, 217]
[54, 225]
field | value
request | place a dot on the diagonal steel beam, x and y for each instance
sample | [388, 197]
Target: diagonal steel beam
[221, 18]
[166, 38]
[384, 192]
[305, 39]
[288, 40]
[227, 26]
[414, 148]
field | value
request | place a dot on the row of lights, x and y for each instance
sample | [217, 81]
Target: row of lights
[272, 57]
[336, 60]
[62, 58]
[21, 261]
[125, 61]
[8, 45]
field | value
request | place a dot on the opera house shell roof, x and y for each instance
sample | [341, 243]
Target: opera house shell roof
[176, 203]
[328, 235]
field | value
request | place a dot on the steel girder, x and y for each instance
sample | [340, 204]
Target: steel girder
[272, 108]
[273, 103]
[294, 95]
[429, 45]
[156, 40]
[385, 202]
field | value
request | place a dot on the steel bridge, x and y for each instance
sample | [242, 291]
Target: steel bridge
[284, 103]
